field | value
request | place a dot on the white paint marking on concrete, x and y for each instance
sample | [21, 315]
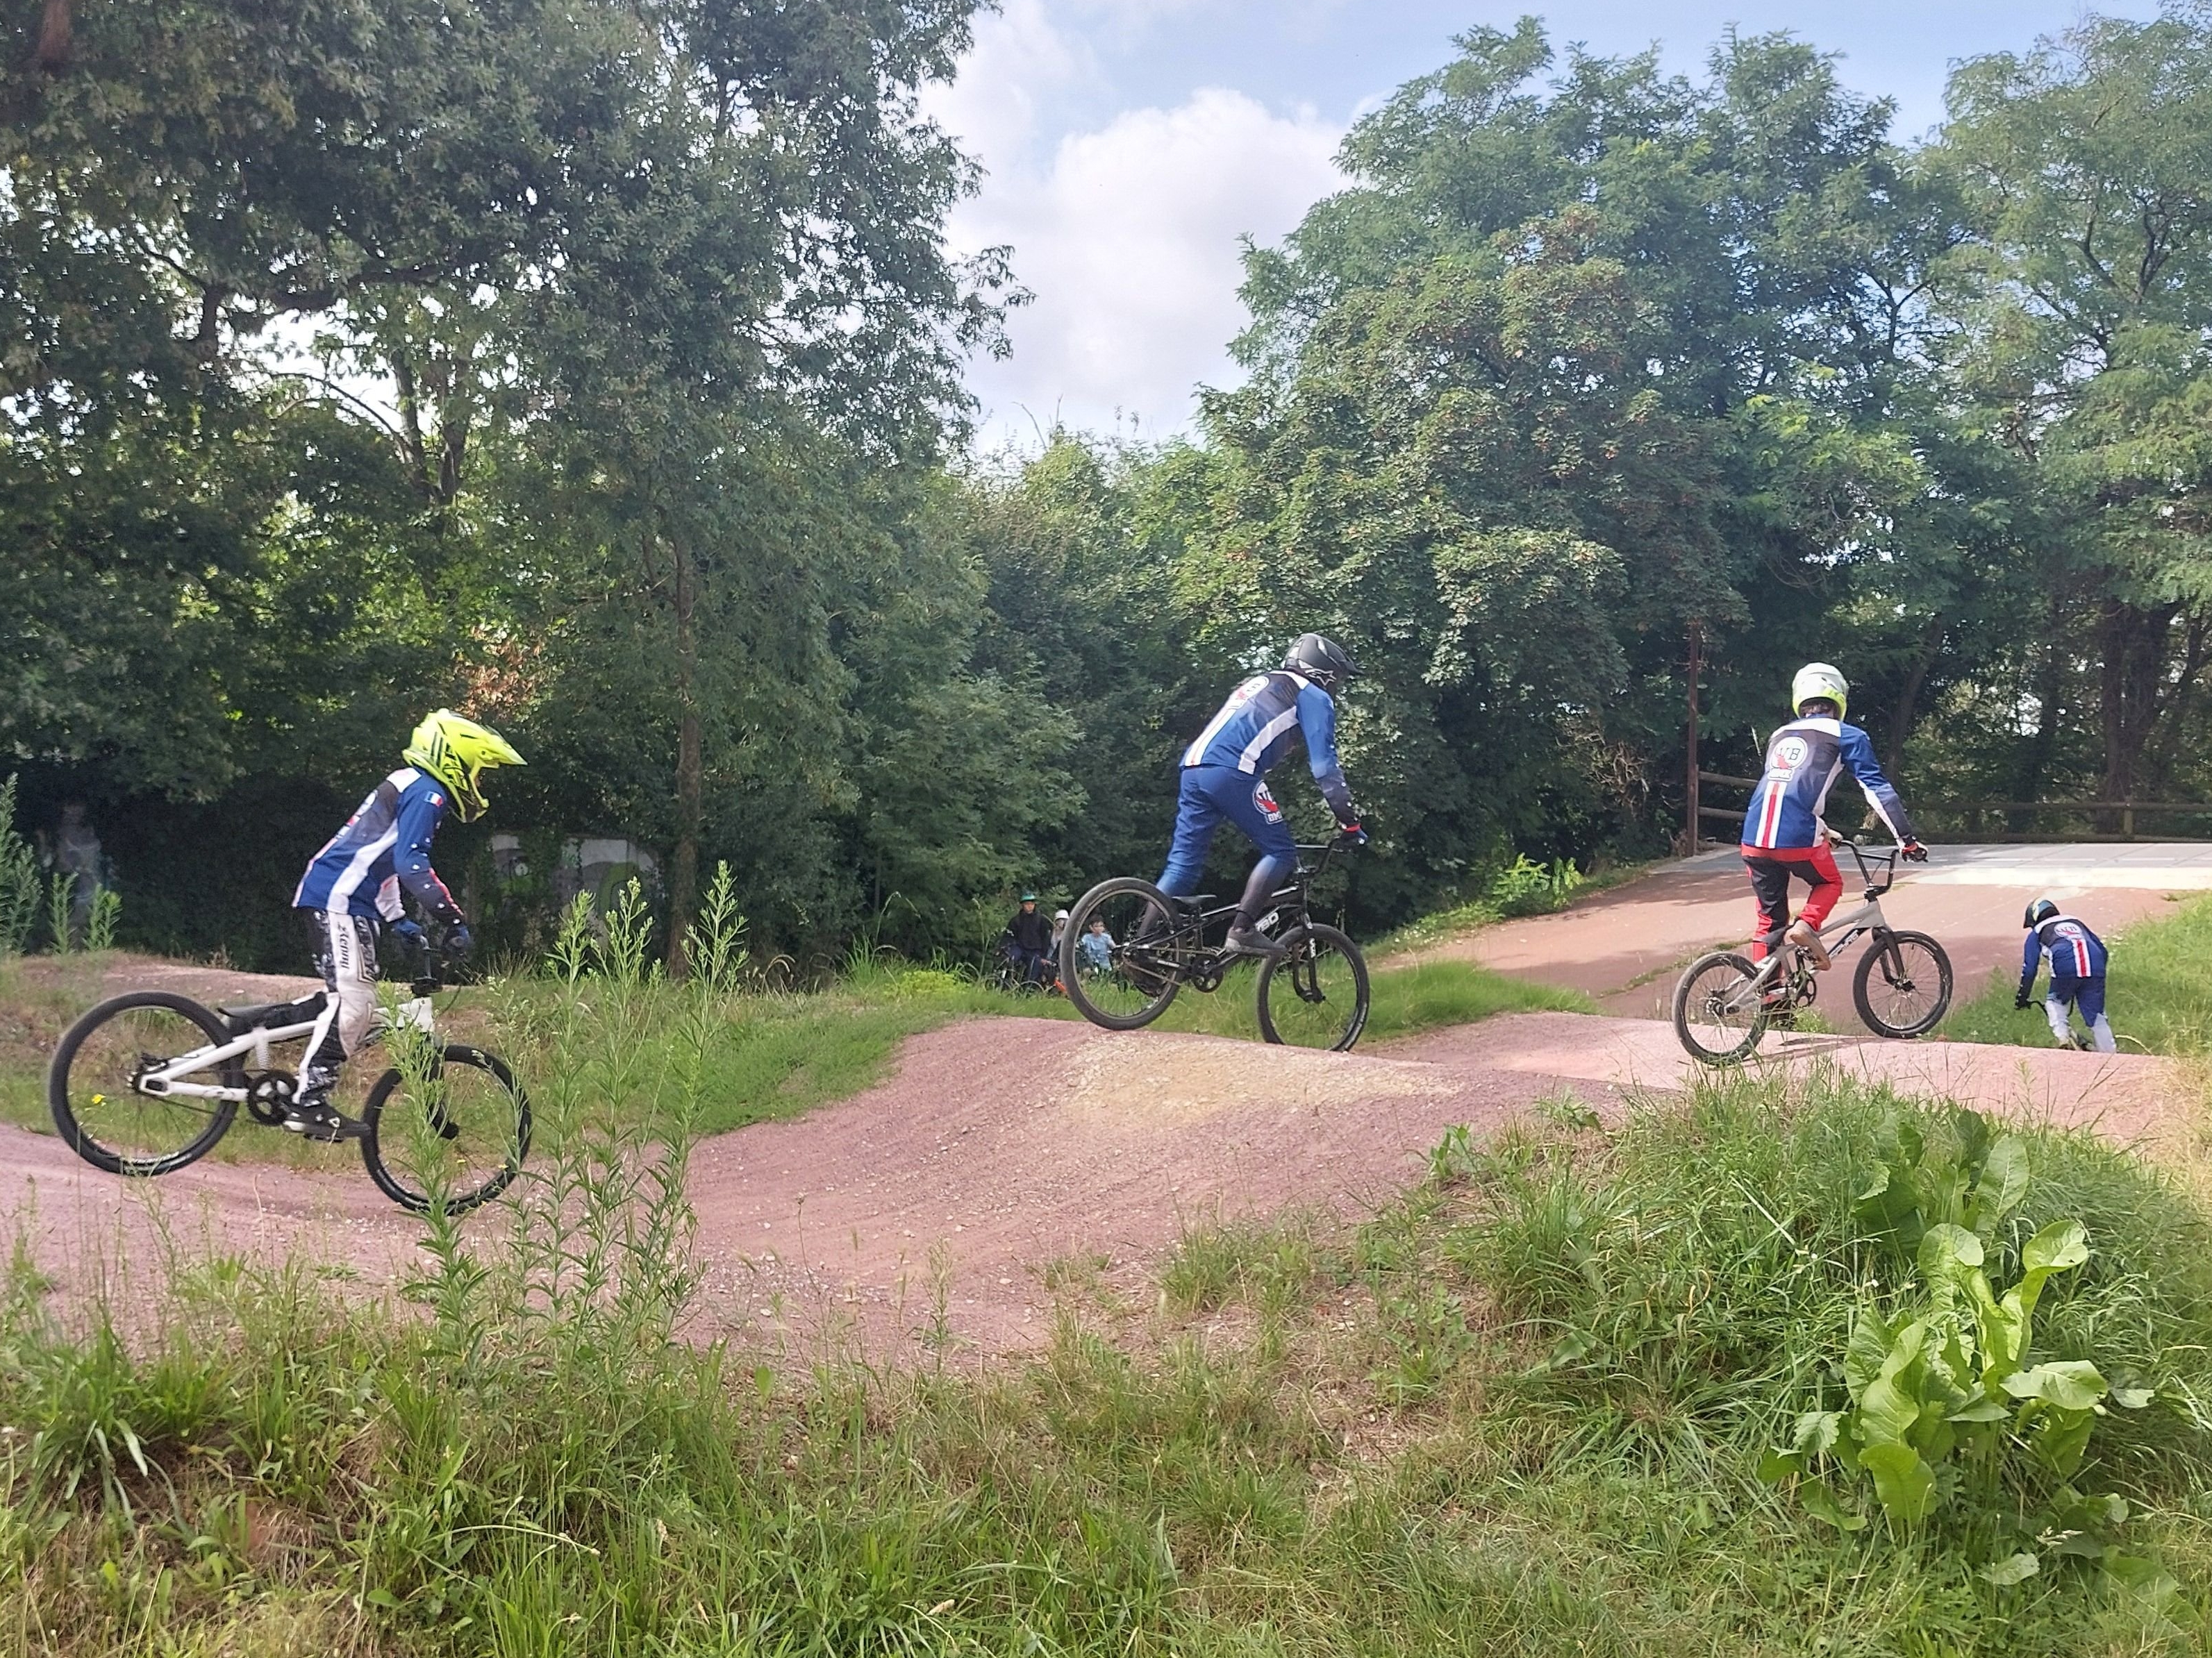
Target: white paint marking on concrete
[2151, 865]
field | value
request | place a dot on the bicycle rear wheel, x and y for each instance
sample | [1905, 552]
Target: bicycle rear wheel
[1315, 994]
[1718, 1015]
[455, 1136]
[1903, 986]
[92, 1086]
[1149, 947]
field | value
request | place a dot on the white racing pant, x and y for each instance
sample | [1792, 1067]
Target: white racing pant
[2088, 996]
[345, 953]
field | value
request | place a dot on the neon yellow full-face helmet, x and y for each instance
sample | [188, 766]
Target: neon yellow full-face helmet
[1820, 679]
[457, 752]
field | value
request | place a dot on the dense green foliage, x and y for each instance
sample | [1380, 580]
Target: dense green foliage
[1521, 1412]
[596, 369]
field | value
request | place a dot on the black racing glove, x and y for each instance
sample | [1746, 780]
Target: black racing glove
[2023, 1001]
[459, 941]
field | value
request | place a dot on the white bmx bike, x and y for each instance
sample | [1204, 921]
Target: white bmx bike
[149, 1081]
[1725, 1002]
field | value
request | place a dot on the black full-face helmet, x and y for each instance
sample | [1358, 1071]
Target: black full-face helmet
[2039, 912]
[1324, 661]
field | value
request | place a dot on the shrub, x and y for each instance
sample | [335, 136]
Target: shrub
[1526, 887]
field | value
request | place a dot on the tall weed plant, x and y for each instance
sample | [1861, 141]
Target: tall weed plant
[20, 886]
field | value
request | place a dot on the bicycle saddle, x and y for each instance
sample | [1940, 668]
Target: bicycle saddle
[1194, 901]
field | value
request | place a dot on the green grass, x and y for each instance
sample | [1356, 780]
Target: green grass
[1516, 1412]
[771, 1054]
[1445, 925]
[2158, 992]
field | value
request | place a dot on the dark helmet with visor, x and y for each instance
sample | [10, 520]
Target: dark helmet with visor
[2039, 912]
[1324, 661]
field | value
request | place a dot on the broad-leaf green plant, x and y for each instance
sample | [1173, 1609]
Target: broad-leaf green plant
[1950, 1412]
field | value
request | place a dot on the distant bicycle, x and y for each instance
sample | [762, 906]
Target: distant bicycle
[1725, 1002]
[148, 1083]
[1313, 995]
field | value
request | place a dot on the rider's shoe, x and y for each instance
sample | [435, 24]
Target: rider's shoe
[313, 1117]
[1806, 937]
[1250, 941]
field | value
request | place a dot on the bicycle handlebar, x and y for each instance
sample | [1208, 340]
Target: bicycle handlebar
[1886, 855]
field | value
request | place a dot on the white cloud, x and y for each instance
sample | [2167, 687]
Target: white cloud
[1128, 238]
[1019, 60]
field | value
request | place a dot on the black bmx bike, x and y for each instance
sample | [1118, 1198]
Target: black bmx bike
[1314, 994]
[148, 1082]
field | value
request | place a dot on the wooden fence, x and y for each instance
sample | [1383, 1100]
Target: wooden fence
[1998, 820]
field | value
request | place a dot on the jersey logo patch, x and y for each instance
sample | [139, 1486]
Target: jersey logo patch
[1266, 802]
[1789, 753]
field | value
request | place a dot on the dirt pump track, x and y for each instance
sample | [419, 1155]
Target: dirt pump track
[1005, 1157]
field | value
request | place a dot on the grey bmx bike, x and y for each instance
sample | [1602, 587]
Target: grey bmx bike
[1725, 1002]
[1314, 994]
[148, 1082]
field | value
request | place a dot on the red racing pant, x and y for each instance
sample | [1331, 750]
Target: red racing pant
[1770, 869]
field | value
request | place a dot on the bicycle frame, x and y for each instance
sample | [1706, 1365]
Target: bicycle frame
[1844, 930]
[166, 1079]
[1290, 900]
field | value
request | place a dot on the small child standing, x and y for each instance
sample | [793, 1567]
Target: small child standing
[2077, 958]
[1096, 947]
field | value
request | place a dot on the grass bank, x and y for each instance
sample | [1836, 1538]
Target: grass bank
[1521, 1411]
[2158, 992]
[769, 1054]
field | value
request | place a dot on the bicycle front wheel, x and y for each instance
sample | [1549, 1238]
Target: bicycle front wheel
[93, 1086]
[1719, 1015]
[1146, 950]
[1314, 993]
[1903, 986]
[453, 1137]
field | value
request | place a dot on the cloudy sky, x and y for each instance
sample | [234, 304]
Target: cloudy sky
[1127, 144]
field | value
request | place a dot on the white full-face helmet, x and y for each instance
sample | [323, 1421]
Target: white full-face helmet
[1816, 680]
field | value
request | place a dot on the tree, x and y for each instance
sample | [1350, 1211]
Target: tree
[2082, 305]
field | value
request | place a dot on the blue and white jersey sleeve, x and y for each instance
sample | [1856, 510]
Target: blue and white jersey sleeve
[1857, 753]
[1317, 719]
[421, 812]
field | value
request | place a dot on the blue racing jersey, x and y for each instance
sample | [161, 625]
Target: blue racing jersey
[385, 845]
[1259, 721]
[2072, 951]
[1804, 760]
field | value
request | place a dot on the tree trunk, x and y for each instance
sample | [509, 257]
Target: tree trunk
[2035, 755]
[411, 423]
[52, 52]
[690, 781]
[1691, 828]
[1908, 698]
[2113, 642]
[2136, 683]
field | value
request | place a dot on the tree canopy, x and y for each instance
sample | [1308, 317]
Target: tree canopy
[597, 369]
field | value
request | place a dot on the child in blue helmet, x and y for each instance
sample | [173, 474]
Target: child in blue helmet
[2077, 958]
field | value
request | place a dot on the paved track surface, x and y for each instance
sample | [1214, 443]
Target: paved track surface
[1626, 947]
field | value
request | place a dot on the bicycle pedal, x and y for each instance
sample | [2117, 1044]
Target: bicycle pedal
[324, 1132]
